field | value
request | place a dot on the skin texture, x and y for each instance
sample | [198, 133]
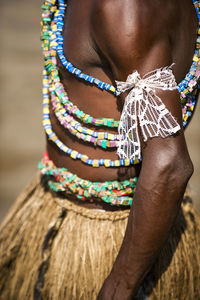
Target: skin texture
[110, 39]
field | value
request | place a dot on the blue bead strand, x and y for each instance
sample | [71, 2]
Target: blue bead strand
[69, 66]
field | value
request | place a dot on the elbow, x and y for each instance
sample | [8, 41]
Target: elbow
[172, 170]
[182, 170]
[176, 169]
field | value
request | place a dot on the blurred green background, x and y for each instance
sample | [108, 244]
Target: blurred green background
[21, 133]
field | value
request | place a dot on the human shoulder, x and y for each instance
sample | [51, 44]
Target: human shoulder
[140, 13]
[126, 30]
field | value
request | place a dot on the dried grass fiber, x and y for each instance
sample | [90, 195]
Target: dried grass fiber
[51, 248]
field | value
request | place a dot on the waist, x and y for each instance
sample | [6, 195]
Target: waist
[97, 194]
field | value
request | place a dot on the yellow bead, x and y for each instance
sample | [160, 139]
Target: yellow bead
[46, 122]
[73, 123]
[59, 143]
[117, 164]
[89, 131]
[53, 138]
[98, 122]
[101, 135]
[107, 163]
[54, 27]
[62, 110]
[84, 158]
[74, 154]
[126, 162]
[110, 136]
[49, 131]
[65, 149]
[95, 163]
[53, 52]
[112, 89]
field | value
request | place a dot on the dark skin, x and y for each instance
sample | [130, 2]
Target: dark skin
[110, 39]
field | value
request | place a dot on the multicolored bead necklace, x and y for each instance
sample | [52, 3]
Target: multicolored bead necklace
[92, 80]
[54, 92]
[84, 133]
[187, 87]
[79, 114]
[102, 139]
[73, 153]
[53, 85]
[112, 192]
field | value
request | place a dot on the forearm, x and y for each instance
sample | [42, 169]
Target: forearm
[155, 206]
[151, 217]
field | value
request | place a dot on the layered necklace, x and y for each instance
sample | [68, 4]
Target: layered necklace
[75, 120]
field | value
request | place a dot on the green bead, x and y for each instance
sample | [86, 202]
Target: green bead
[104, 144]
[87, 120]
[90, 119]
[46, 19]
[110, 122]
[61, 95]
[64, 101]
[78, 113]
[45, 6]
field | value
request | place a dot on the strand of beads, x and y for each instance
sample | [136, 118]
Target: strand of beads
[189, 85]
[112, 192]
[51, 76]
[185, 87]
[63, 98]
[73, 153]
[102, 139]
[77, 72]
[49, 48]
[85, 118]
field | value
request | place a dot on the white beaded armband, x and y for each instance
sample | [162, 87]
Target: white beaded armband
[145, 109]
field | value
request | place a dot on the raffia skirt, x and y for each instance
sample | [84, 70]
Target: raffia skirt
[51, 248]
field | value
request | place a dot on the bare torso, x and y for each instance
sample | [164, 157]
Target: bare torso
[80, 49]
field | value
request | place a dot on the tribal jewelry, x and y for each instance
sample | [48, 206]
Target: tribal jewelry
[51, 77]
[112, 192]
[102, 139]
[187, 87]
[73, 153]
[52, 39]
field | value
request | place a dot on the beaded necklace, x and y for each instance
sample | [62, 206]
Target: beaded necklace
[79, 114]
[187, 87]
[53, 91]
[112, 192]
[73, 153]
[101, 139]
[52, 85]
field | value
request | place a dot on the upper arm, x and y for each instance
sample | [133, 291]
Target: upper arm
[129, 39]
[126, 34]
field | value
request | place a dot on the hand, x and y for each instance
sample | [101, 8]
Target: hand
[113, 289]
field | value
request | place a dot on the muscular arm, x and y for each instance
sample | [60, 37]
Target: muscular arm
[130, 43]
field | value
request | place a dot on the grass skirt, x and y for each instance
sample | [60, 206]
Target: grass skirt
[51, 248]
